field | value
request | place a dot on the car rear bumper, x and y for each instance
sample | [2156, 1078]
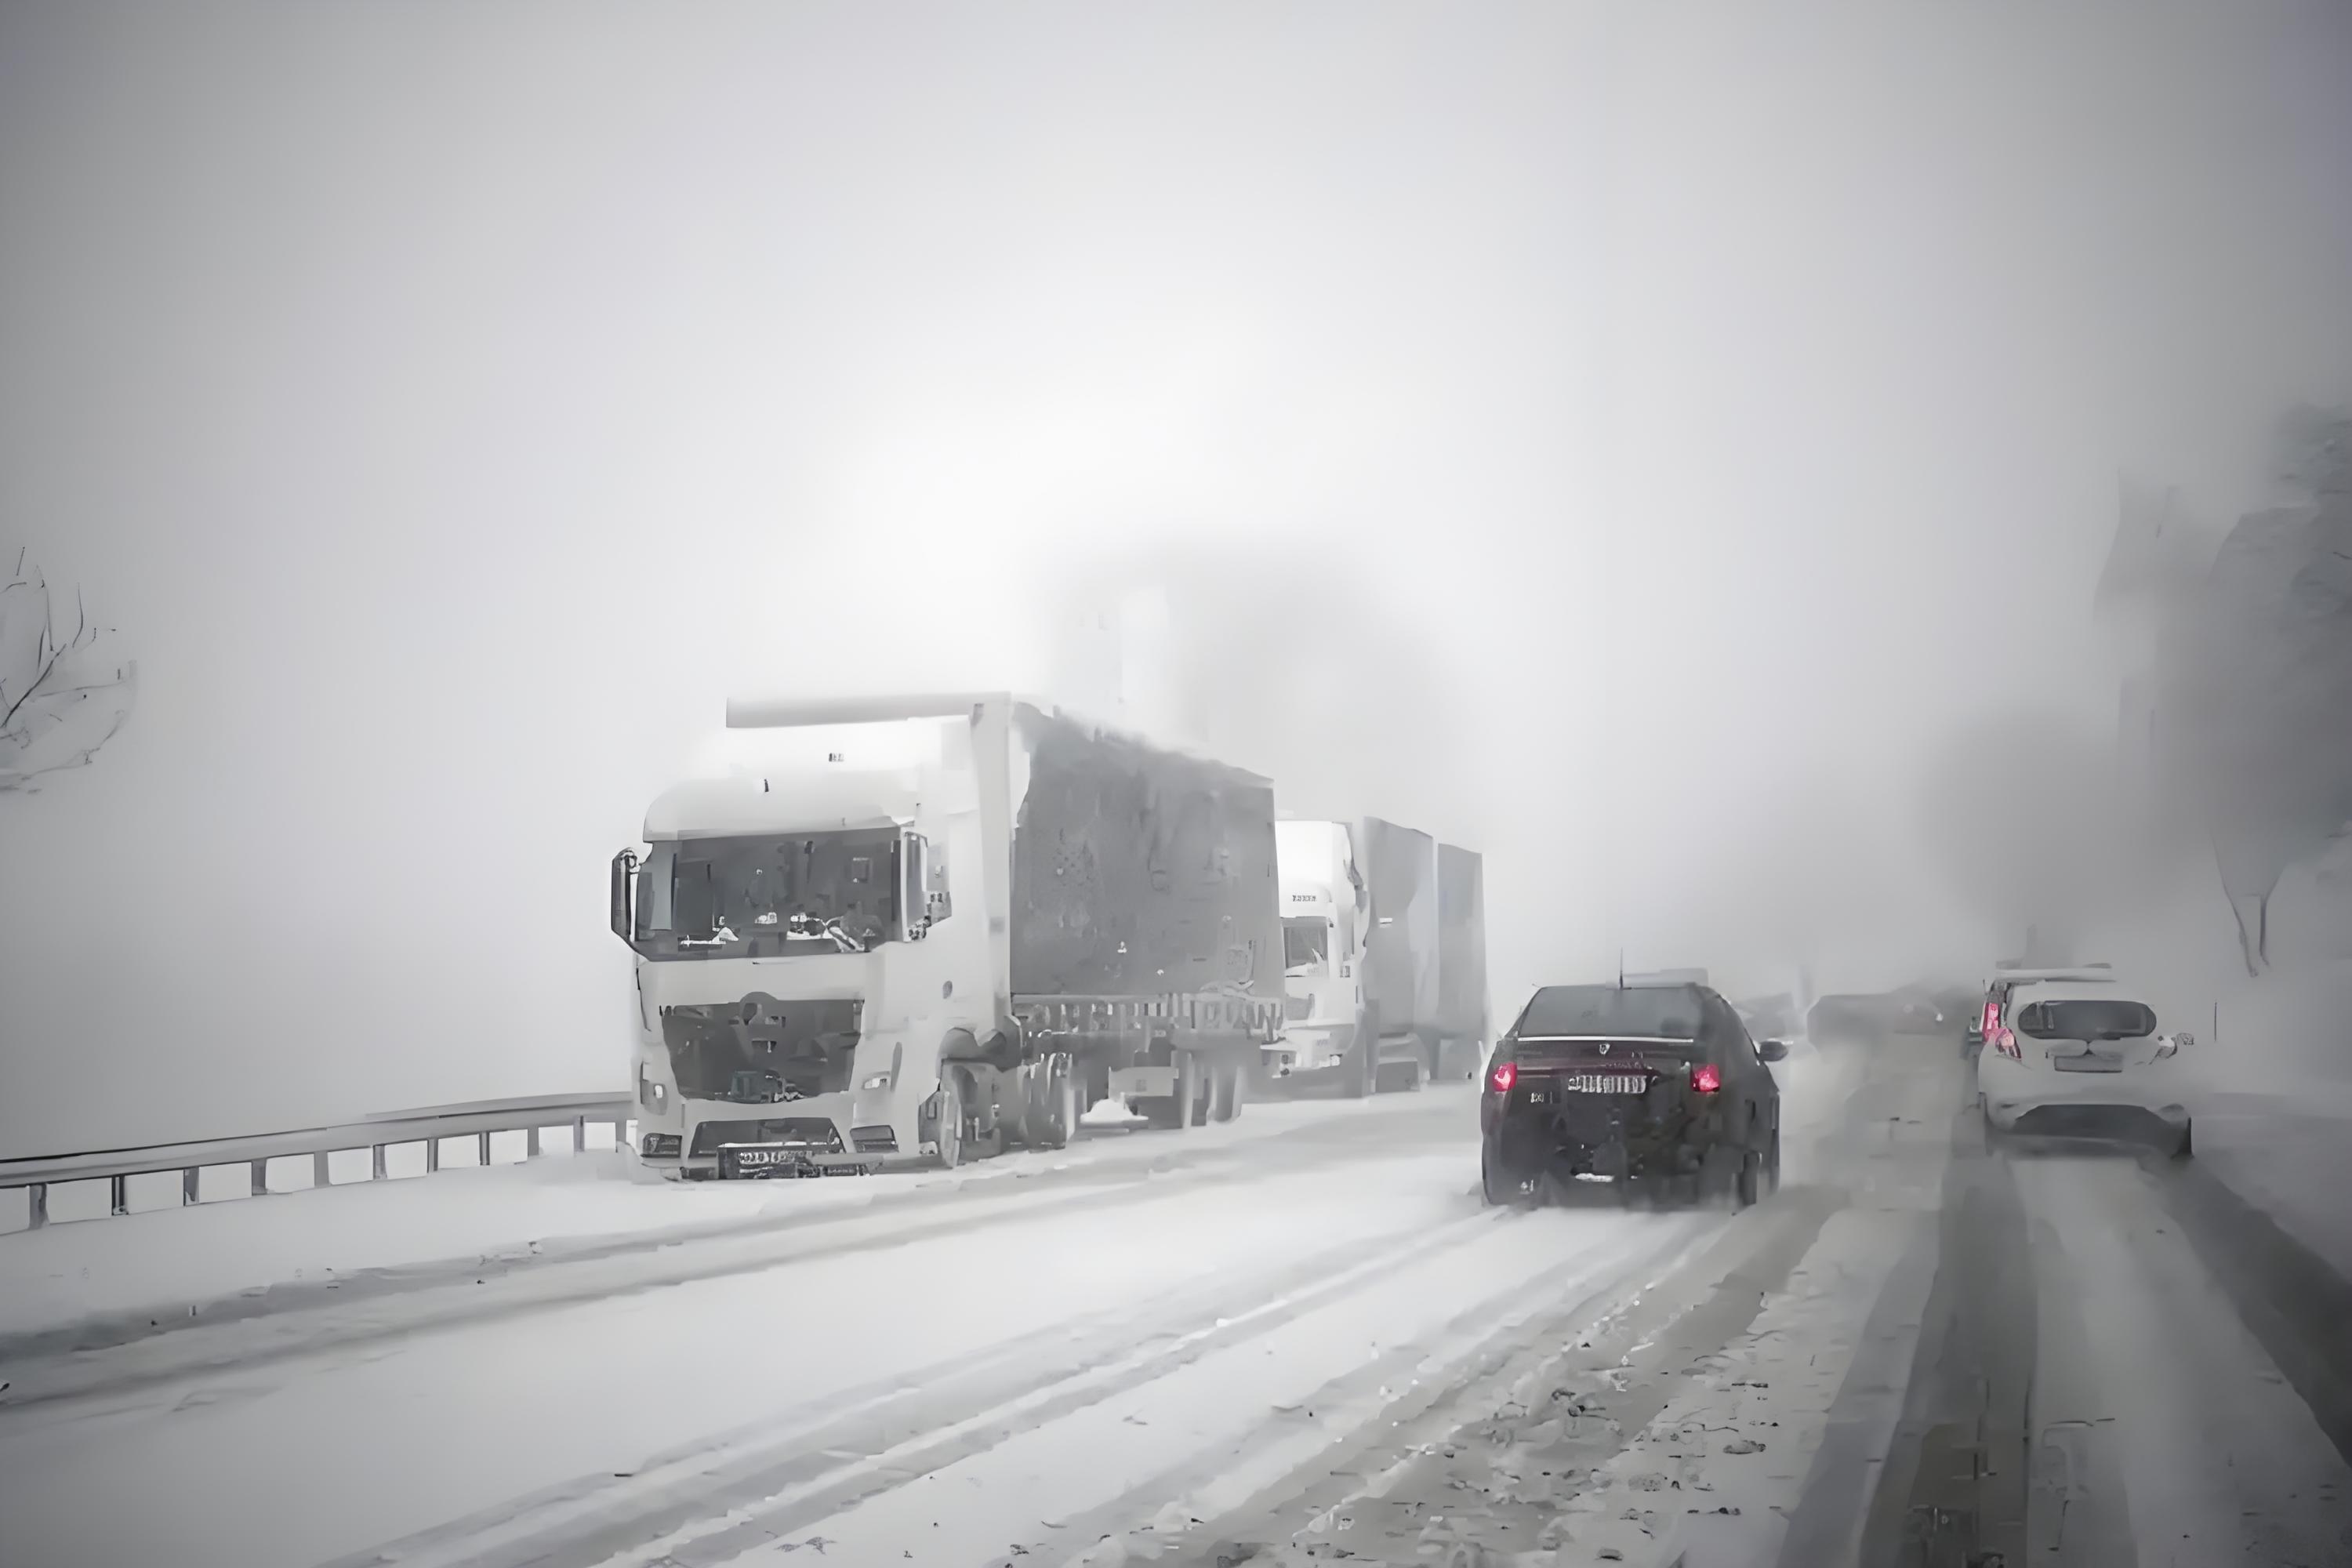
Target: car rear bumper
[1524, 1145]
[2090, 1120]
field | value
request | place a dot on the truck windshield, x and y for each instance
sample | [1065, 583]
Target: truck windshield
[1305, 944]
[762, 897]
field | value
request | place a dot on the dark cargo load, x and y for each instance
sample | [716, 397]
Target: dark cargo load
[1137, 871]
[1461, 944]
[1399, 868]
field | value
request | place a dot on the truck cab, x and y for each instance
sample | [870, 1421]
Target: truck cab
[799, 962]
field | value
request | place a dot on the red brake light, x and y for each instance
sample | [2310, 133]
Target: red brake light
[1991, 1018]
[2005, 1042]
[1505, 1075]
[1705, 1079]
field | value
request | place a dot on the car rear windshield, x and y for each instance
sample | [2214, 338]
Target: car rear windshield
[2097, 1018]
[1632, 1012]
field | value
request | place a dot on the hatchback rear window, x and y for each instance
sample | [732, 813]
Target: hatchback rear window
[1613, 1012]
[2095, 1018]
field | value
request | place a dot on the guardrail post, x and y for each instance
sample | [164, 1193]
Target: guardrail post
[188, 1185]
[320, 1175]
[117, 1191]
[432, 1155]
[260, 1178]
[375, 1163]
[486, 1147]
[530, 1142]
[579, 1135]
[37, 1205]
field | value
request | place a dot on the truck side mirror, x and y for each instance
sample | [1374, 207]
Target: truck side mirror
[625, 872]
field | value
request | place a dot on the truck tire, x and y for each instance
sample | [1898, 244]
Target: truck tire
[952, 1119]
[1051, 1118]
[1182, 1108]
[1405, 1077]
[1192, 1088]
[1228, 1089]
[1365, 1055]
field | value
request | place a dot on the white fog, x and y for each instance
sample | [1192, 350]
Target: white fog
[1639, 443]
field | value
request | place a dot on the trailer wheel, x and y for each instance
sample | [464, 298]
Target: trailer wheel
[1367, 1054]
[1191, 1088]
[951, 1114]
[1053, 1110]
[1228, 1090]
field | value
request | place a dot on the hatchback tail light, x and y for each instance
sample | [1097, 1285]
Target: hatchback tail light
[1705, 1078]
[1506, 1074]
[2005, 1042]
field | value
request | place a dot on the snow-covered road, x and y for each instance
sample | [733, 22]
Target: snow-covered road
[1040, 1363]
[1314, 1345]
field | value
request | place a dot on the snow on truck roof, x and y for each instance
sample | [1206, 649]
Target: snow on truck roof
[742, 805]
[809, 712]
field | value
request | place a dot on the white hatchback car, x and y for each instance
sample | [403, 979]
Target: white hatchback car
[2080, 1057]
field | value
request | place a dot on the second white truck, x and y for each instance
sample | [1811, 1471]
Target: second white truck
[1384, 961]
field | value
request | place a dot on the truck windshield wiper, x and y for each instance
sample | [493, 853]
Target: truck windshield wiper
[804, 924]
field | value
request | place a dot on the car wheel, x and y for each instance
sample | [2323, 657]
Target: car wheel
[1772, 1165]
[1498, 1192]
[2182, 1150]
[1744, 1185]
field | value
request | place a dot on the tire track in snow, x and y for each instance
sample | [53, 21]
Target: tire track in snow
[1567, 1398]
[130, 1371]
[1402, 1384]
[1014, 1499]
[713, 1502]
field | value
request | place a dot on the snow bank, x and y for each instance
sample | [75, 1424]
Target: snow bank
[168, 1261]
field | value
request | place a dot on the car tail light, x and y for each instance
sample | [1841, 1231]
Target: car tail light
[1705, 1079]
[1505, 1075]
[2005, 1042]
[1991, 1018]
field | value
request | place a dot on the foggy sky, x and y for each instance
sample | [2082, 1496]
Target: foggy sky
[451, 406]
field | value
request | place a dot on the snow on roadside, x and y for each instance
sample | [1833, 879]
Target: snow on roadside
[173, 1259]
[528, 1405]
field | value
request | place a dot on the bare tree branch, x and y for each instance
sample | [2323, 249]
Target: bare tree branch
[58, 704]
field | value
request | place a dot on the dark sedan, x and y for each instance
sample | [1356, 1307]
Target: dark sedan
[1657, 1089]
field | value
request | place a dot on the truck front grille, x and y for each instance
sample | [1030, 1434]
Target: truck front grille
[817, 1131]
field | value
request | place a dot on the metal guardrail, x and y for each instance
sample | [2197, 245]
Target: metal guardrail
[429, 1127]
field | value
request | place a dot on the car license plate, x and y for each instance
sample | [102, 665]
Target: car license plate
[770, 1159]
[2092, 1063]
[1606, 1083]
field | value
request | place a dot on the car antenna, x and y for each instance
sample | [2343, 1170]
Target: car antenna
[1621, 969]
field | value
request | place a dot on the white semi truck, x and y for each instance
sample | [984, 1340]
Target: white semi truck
[1384, 960]
[926, 928]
